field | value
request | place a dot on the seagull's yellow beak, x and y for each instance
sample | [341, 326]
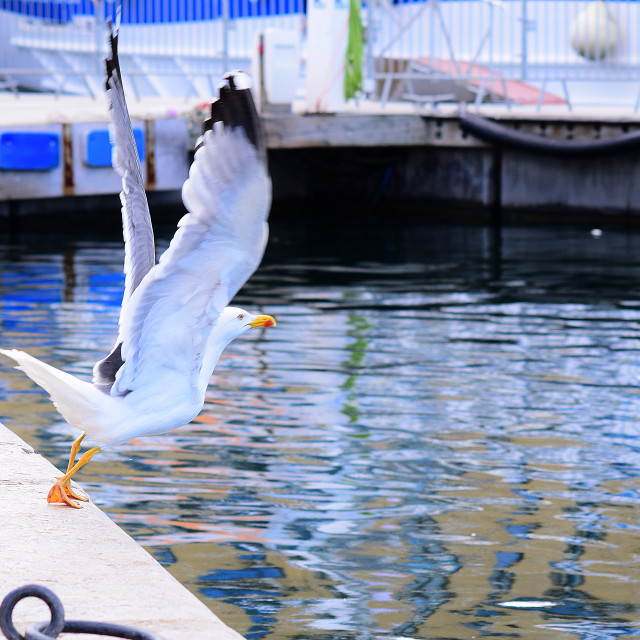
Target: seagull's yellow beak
[263, 321]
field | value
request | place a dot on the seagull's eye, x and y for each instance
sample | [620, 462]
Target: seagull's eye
[240, 317]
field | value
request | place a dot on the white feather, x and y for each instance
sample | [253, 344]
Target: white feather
[136, 220]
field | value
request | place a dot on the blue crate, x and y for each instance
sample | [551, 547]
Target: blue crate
[29, 151]
[98, 146]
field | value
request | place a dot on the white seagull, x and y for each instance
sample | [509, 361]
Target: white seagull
[174, 321]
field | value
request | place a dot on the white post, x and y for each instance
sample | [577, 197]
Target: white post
[101, 38]
[327, 35]
[369, 82]
[525, 33]
[225, 36]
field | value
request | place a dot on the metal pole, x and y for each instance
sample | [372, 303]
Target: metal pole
[432, 33]
[370, 86]
[525, 29]
[225, 36]
[99, 33]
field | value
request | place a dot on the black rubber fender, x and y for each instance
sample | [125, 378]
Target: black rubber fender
[503, 136]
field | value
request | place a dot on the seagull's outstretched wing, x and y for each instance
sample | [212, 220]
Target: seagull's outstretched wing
[219, 243]
[136, 222]
[139, 245]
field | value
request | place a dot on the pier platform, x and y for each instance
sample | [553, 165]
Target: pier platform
[399, 151]
[98, 571]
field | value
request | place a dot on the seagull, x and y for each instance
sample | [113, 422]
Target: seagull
[174, 321]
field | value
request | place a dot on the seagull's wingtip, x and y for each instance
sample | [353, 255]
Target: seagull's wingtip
[237, 80]
[112, 61]
[235, 108]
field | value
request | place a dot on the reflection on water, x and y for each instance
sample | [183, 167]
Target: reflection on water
[439, 439]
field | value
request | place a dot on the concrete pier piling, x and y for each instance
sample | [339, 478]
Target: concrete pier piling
[95, 568]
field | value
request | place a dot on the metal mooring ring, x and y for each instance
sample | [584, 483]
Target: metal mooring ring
[37, 631]
[57, 624]
[51, 628]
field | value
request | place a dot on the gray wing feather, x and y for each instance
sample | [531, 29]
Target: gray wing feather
[136, 220]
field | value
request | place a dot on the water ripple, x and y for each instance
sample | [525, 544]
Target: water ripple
[443, 443]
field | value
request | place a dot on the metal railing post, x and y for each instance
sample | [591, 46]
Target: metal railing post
[225, 36]
[432, 33]
[370, 86]
[99, 33]
[524, 24]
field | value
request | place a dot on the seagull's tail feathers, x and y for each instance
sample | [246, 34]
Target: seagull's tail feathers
[78, 401]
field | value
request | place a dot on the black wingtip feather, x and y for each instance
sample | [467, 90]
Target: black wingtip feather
[112, 61]
[235, 108]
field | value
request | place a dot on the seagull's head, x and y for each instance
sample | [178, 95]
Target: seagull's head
[234, 322]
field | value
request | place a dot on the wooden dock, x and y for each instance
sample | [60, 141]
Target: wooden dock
[400, 151]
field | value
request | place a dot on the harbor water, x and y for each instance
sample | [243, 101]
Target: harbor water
[440, 438]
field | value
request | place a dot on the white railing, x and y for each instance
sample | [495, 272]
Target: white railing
[515, 51]
[563, 52]
[167, 47]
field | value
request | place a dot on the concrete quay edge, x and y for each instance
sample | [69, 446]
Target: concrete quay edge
[97, 570]
[433, 160]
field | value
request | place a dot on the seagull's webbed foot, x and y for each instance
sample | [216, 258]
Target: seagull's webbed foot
[61, 492]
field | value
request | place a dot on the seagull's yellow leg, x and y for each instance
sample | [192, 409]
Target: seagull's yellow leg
[68, 491]
[61, 491]
[75, 447]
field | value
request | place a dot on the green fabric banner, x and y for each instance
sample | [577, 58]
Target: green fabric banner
[355, 46]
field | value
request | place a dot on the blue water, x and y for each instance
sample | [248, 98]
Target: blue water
[438, 440]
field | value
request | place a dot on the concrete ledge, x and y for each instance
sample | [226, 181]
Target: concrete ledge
[95, 568]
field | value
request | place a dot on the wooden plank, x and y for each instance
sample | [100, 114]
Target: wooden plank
[295, 131]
